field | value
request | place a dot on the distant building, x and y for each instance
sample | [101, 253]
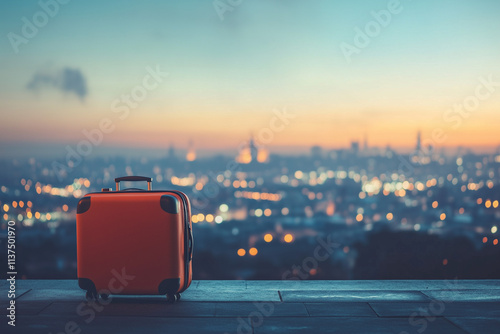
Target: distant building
[171, 152]
[355, 147]
[421, 155]
[316, 152]
[389, 152]
[252, 154]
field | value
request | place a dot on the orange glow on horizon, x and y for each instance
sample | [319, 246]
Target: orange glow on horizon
[213, 133]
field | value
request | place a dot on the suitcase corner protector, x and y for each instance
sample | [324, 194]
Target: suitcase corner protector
[169, 285]
[86, 284]
[170, 204]
[83, 205]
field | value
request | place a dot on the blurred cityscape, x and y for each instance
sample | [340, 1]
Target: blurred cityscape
[375, 213]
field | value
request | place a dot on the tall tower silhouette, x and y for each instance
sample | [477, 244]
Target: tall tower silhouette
[254, 151]
[250, 153]
[419, 141]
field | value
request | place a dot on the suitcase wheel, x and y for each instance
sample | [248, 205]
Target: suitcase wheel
[172, 298]
[91, 295]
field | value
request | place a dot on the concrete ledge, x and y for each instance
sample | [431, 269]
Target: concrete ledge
[464, 306]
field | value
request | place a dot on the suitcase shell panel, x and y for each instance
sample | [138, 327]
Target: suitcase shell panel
[131, 242]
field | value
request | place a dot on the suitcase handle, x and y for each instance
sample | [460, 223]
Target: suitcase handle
[133, 178]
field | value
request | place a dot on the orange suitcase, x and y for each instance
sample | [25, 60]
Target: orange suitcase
[134, 241]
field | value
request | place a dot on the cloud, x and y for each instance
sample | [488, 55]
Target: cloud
[66, 80]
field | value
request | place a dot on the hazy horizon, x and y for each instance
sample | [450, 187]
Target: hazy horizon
[57, 150]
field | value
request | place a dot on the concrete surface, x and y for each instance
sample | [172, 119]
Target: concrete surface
[402, 307]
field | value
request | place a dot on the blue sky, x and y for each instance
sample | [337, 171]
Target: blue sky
[226, 76]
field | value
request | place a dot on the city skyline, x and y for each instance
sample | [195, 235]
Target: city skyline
[190, 151]
[273, 210]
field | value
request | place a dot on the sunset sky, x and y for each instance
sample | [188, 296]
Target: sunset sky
[227, 76]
